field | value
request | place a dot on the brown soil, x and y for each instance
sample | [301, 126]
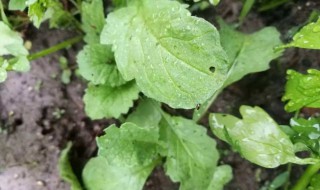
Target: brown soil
[39, 114]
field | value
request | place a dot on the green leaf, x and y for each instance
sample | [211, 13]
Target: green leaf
[106, 101]
[96, 64]
[191, 154]
[65, 169]
[302, 90]
[17, 5]
[37, 10]
[3, 15]
[11, 42]
[247, 6]
[279, 181]
[131, 145]
[248, 53]
[307, 132]
[58, 16]
[307, 37]
[146, 114]
[257, 137]
[315, 182]
[214, 2]
[221, 176]
[126, 158]
[22, 64]
[92, 17]
[174, 57]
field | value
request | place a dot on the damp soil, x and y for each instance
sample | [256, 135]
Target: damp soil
[39, 114]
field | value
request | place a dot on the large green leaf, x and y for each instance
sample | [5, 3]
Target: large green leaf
[106, 101]
[302, 90]
[96, 64]
[175, 58]
[126, 158]
[92, 17]
[248, 53]
[257, 137]
[308, 37]
[191, 154]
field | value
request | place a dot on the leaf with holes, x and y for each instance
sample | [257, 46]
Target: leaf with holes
[248, 53]
[174, 57]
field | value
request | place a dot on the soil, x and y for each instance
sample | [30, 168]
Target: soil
[39, 114]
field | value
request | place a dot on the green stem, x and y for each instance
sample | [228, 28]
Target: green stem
[304, 180]
[55, 48]
[287, 184]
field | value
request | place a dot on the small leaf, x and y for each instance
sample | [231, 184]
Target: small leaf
[191, 154]
[302, 90]
[257, 137]
[92, 17]
[307, 37]
[221, 176]
[125, 159]
[37, 10]
[96, 64]
[307, 132]
[104, 101]
[279, 181]
[146, 114]
[11, 42]
[65, 169]
[22, 64]
[17, 5]
[174, 57]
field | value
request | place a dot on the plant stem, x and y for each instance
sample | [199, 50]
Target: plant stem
[287, 184]
[304, 180]
[55, 48]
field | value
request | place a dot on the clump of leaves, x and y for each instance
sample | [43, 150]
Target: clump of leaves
[13, 54]
[302, 90]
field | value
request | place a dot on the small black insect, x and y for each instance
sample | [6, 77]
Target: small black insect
[198, 106]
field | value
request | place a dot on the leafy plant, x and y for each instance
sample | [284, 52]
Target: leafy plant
[147, 53]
